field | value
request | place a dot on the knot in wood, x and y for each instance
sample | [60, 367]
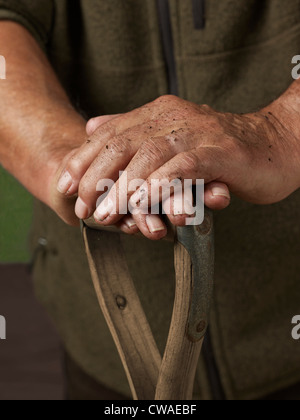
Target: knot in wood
[121, 302]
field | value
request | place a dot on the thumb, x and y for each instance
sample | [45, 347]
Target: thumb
[217, 196]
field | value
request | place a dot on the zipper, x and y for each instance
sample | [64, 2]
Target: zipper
[167, 36]
[168, 44]
[169, 55]
[199, 14]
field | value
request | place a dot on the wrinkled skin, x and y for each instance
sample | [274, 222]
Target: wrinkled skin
[251, 155]
[256, 156]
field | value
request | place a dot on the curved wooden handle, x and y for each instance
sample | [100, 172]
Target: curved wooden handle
[194, 266]
[148, 376]
[123, 312]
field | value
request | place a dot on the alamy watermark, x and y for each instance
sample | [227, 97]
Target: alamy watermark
[188, 197]
[296, 329]
[2, 68]
[296, 69]
[2, 328]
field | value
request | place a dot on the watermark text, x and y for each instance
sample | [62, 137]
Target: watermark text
[2, 68]
[2, 328]
[186, 197]
[296, 69]
[296, 329]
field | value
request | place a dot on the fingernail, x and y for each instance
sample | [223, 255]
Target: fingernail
[155, 224]
[130, 223]
[64, 183]
[220, 192]
[81, 209]
[104, 210]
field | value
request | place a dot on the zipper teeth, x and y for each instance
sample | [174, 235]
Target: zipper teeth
[199, 14]
[168, 44]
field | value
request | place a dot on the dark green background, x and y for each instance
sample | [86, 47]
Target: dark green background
[15, 219]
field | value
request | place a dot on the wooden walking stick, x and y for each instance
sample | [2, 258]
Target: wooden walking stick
[150, 376]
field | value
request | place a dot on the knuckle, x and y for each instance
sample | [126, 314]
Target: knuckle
[92, 125]
[75, 166]
[174, 140]
[212, 124]
[232, 147]
[207, 108]
[189, 161]
[117, 147]
[151, 150]
[215, 125]
[102, 133]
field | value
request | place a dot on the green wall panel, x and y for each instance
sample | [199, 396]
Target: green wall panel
[15, 219]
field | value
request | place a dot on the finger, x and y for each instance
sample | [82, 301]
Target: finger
[108, 128]
[80, 161]
[128, 225]
[94, 123]
[107, 166]
[179, 207]
[152, 154]
[205, 164]
[63, 206]
[217, 196]
[151, 226]
[98, 141]
[63, 181]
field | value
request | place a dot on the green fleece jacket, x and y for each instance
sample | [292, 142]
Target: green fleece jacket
[108, 55]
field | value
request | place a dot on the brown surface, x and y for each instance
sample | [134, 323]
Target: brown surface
[181, 356]
[290, 394]
[30, 358]
[123, 311]
[81, 387]
[149, 376]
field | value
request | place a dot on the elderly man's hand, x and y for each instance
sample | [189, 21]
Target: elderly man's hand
[255, 155]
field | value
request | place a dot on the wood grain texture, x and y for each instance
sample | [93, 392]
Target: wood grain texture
[123, 312]
[150, 377]
[178, 369]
